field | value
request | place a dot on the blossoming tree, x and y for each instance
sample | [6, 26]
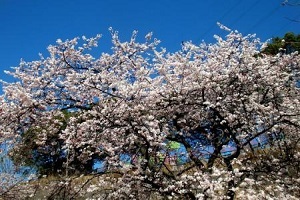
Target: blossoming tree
[139, 101]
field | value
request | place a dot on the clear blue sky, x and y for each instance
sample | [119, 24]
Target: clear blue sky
[27, 27]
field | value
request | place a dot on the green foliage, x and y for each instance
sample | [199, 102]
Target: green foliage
[46, 159]
[288, 44]
[50, 157]
[173, 145]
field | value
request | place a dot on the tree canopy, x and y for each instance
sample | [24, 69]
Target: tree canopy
[289, 43]
[181, 125]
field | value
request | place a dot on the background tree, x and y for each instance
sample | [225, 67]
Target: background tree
[133, 106]
[50, 158]
[287, 44]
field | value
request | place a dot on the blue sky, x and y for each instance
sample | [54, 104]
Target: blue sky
[27, 27]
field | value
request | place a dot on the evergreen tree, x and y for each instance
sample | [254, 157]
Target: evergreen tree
[287, 44]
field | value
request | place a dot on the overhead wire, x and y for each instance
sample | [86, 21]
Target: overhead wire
[295, 19]
[244, 13]
[292, 20]
[259, 22]
[284, 27]
[264, 18]
[286, 2]
[219, 20]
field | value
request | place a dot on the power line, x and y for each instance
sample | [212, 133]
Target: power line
[244, 13]
[263, 19]
[292, 20]
[287, 24]
[220, 19]
[286, 2]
